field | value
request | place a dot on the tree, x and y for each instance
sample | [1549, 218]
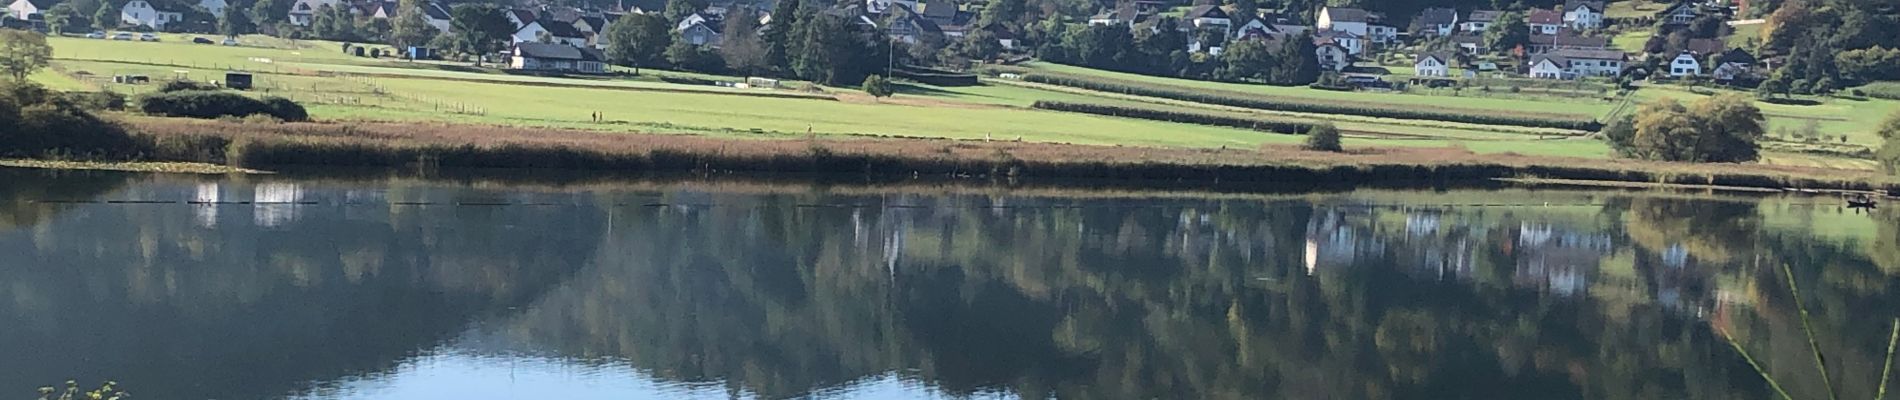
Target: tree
[678, 10]
[234, 22]
[63, 19]
[479, 29]
[638, 41]
[270, 12]
[741, 47]
[410, 28]
[691, 57]
[106, 17]
[822, 44]
[1248, 60]
[1509, 33]
[1006, 12]
[1323, 137]
[876, 86]
[1889, 154]
[979, 45]
[1245, 10]
[777, 36]
[1299, 62]
[23, 52]
[333, 23]
[1715, 129]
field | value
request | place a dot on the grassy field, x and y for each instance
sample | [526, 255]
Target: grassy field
[339, 87]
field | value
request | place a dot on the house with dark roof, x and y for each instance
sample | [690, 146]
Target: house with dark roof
[1354, 44]
[24, 9]
[911, 28]
[151, 14]
[1479, 21]
[941, 12]
[544, 31]
[557, 57]
[1545, 22]
[1127, 15]
[1735, 65]
[1332, 56]
[1679, 14]
[1435, 21]
[1470, 43]
[520, 17]
[1344, 19]
[1209, 17]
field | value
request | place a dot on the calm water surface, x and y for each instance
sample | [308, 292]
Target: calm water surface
[299, 288]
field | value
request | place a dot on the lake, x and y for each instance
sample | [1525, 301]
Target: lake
[323, 287]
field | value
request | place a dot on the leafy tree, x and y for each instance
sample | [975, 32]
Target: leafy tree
[824, 47]
[1245, 10]
[1323, 137]
[688, 56]
[1871, 64]
[1889, 154]
[979, 45]
[637, 41]
[741, 46]
[1248, 60]
[876, 86]
[411, 28]
[106, 17]
[63, 19]
[677, 10]
[235, 22]
[269, 12]
[1715, 129]
[1007, 12]
[1509, 33]
[333, 23]
[479, 29]
[23, 52]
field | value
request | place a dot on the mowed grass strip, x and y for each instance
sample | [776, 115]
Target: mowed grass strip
[1241, 99]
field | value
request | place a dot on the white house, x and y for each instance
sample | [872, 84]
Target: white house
[146, 13]
[1580, 15]
[1333, 57]
[1354, 44]
[1209, 17]
[1680, 14]
[1343, 19]
[1436, 65]
[303, 10]
[1479, 21]
[216, 7]
[1545, 22]
[21, 9]
[1435, 21]
[1126, 15]
[1593, 62]
[554, 33]
[1685, 64]
[1545, 66]
[557, 57]
[1736, 64]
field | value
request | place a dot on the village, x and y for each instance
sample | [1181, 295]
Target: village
[1567, 42]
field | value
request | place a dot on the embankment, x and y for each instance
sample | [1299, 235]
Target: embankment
[269, 145]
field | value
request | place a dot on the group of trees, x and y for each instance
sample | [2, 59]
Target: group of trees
[1830, 44]
[1714, 129]
[804, 41]
[1164, 51]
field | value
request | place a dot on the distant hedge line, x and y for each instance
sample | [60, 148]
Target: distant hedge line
[1257, 124]
[1234, 99]
[214, 104]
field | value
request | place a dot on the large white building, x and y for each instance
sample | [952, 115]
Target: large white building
[1581, 15]
[148, 14]
[1351, 20]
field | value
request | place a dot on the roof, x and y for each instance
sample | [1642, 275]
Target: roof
[41, 4]
[1484, 16]
[1436, 16]
[1590, 54]
[434, 10]
[598, 23]
[937, 8]
[1706, 46]
[558, 29]
[1205, 11]
[1340, 14]
[1545, 17]
[1123, 13]
[1462, 38]
[1570, 40]
[1571, 5]
[1678, 7]
[556, 51]
[1335, 34]
[1737, 55]
[1555, 59]
[525, 16]
[1442, 57]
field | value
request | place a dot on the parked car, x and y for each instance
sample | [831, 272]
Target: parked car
[96, 35]
[200, 40]
[122, 36]
[147, 37]
[230, 42]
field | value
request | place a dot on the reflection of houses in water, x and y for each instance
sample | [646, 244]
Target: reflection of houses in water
[1333, 243]
[205, 208]
[1561, 260]
[275, 203]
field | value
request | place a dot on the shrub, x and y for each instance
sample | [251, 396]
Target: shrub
[43, 124]
[214, 104]
[180, 85]
[1323, 137]
[101, 101]
[1248, 100]
[877, 86]
[1153, 114]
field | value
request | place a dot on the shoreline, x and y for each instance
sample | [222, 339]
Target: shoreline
[255, 147]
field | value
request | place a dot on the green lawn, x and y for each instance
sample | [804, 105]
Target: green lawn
[1633, 9]
[1632, 41]
[1859, 120]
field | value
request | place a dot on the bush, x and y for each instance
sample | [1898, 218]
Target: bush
[1248, 100]
[214, 104]
[877, 86]
[98, 101]
[44, 124]
[1153, 114]
[1323, 137]
[181, 85]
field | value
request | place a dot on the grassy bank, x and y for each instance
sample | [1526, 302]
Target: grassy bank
[267, 146]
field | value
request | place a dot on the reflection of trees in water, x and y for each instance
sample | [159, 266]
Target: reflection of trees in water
[147, 295]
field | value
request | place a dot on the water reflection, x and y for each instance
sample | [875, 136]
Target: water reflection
[416, 289]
